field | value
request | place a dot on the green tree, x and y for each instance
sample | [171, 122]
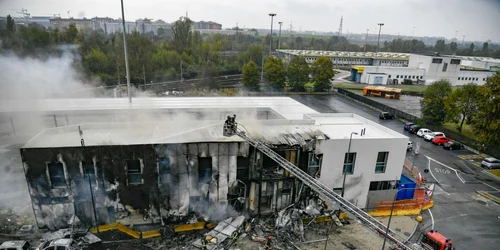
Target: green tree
[485, 50]
[11, 24]
[453, 46]
[440, 45]
[486, 121]
[298, 73]
[95, 61]
[274, 72]
[70, 34]
[432, 106]
[462, 104]
[181, 29]
[471, 48]
[250, 77]
[322, 70]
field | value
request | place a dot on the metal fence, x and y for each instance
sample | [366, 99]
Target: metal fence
[470, 142]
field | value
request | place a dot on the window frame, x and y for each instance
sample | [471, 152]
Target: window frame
[455, 61]
[316, 173]
[382, 164]
[51, 177]
[445, 67]
[346, 163]
[437, 60]
[129, 173]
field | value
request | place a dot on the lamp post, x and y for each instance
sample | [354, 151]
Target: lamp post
[279, 36]
[392, 209]
[271, 40]
[379, 29]
[344, 168]
[126, 56]
[366, 39]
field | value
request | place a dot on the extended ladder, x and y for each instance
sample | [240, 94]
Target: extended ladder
[230, 129]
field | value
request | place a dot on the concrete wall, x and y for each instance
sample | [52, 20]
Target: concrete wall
[477, 77]
[357, 184]
[172, 196]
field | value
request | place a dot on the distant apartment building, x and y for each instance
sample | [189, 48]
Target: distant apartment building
[202, 25]
[62, 23]
[98, 21]
[142, 26]
[40, 20]
[251, 32]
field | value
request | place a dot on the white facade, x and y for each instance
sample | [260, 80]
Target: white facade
[226, 32]
[428, 69]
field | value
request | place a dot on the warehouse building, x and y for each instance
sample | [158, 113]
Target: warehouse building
[113, 171]
[424, 69]
[346, 58]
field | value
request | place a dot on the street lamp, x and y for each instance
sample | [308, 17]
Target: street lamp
[392, 209]
[379, 29]
[344, 168]
[271, 42]
[279, 36]
[126, 56]
[366, 39]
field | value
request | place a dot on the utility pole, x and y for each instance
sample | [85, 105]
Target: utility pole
[126, 56]
[182, 78]
[366, 39]
[379, 29]
[340, 26]
[144, 73]
[279, 36]
[271, 40]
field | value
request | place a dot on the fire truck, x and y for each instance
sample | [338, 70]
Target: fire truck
[433, 240]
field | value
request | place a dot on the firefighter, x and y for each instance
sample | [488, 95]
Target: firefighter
[234, 236]
[204, 244]
[267, 245]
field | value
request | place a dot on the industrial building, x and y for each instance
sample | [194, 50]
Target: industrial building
[346, 58]
[173, 159]
[426, 69]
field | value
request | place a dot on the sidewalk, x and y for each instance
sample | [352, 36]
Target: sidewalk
[404, 226]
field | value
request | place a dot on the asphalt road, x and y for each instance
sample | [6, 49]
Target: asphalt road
[459, 213]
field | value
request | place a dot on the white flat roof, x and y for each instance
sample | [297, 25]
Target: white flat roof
[277, 132]
[285, 106]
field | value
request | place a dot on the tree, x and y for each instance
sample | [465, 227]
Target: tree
[484, 50]
[298, 73]
[181, 30]
[70, 34]
[471, 47]
[274, 73]
[11, 24]
[453, 46]
[322, 70]
[486, 121]
[462, 104]
[433, 108]
[95, 61]
[440, 45]
[250, 77]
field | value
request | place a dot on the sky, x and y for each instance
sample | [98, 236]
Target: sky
[476, 19]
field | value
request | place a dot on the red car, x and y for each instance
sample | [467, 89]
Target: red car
[440, 140]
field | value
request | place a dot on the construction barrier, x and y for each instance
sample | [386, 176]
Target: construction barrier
[124, 229]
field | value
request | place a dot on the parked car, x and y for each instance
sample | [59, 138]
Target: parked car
[386, 115]
[15, 245]
[407, 125]
[440, 140]
[453, 145]
[428, 137]
[414, 128]
[410, 146]
[60, 244]
[424, 131]
[491, 163]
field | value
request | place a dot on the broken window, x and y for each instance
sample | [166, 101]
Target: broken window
[205, 169]
[134, 174]
[242, 167]
[314, 166]
[163, 169]
[56, 174]
[349, 161]
[89, 171]
[381, 162]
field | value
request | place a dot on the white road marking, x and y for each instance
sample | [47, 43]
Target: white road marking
[491, 186]
[444, 165]
[430, 171]
[432, 218]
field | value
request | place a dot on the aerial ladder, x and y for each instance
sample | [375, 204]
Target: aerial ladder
[231, 128]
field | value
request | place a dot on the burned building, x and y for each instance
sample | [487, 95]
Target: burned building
[163, 171]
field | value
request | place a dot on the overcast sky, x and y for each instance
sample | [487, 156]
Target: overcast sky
[477, 19]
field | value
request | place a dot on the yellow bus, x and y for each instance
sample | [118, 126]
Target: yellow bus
[384, 92]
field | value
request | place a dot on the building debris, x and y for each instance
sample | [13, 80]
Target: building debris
[90, 238]
[220, 233]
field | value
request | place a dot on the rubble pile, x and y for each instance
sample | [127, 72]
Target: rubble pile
[11, 223]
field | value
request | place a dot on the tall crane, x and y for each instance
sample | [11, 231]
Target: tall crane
[231, 129]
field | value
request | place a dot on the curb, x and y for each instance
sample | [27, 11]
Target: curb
[489, 196]
[412, 233]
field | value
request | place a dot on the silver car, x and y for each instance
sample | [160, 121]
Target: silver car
[491, 163]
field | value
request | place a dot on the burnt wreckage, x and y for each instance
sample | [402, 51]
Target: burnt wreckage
[102, 183]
